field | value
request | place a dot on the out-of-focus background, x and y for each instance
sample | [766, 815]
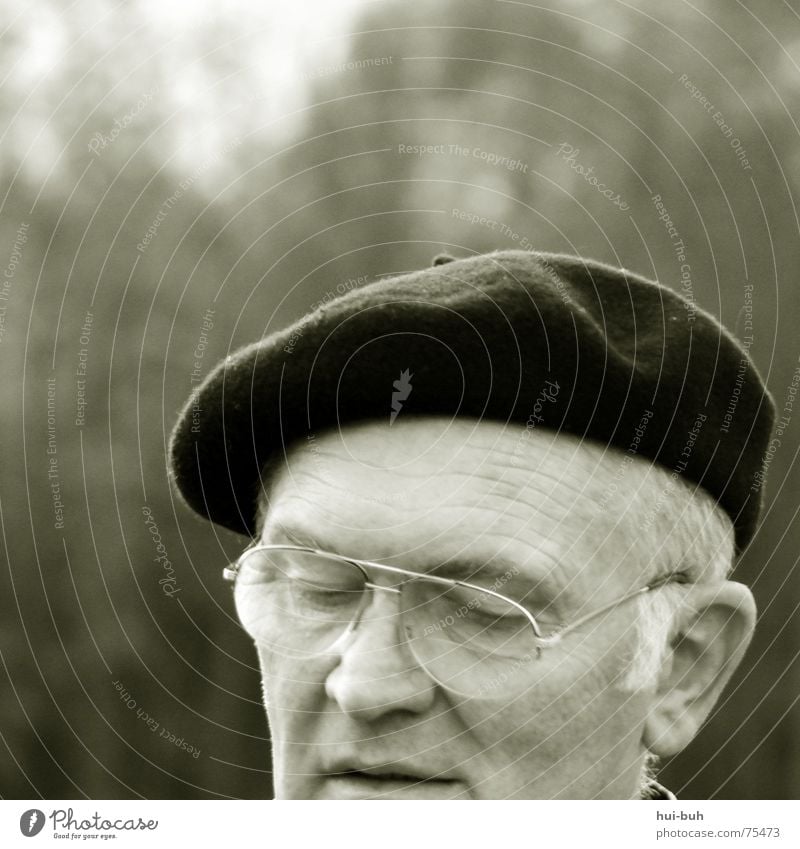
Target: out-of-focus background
[179, 178]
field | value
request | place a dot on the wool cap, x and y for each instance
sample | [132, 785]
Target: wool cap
[619, 360]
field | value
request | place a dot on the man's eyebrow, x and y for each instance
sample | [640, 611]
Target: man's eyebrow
[463, 567]
[278, 533]
[503, 575]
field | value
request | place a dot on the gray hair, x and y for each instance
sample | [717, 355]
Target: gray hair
[689, 534]
[672, 527]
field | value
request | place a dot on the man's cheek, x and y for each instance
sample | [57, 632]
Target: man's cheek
[293, 696]
[291, 686]
[591, 663]
[562, 698]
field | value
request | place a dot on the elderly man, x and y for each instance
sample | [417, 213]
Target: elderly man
[493, 507]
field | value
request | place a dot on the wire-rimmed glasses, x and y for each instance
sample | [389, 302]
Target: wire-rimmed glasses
[302, 603]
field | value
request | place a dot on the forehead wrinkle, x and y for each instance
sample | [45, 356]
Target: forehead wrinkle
[516, 481]
[568, 553]
[549, 481]
[502, 500]
[513, 519]
[446, 537]
[519, 498]
[543, 572]
[568, 531]
[531, 445]
[339, 514]
[301, 481]
[525, 501]
[532, 486]
[544, 558]
[539, 454]
[560, 464]
[348, 532]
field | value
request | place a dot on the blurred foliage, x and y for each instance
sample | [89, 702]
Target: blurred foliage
[294, 183]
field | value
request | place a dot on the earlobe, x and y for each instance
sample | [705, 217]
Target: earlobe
[708, 645]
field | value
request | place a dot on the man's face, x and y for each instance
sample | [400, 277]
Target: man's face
[366, 720]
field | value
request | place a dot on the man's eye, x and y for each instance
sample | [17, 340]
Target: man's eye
[320, 595]
[477, 602]
[324, 580]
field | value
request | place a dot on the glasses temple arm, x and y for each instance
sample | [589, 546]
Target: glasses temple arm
[582, 620]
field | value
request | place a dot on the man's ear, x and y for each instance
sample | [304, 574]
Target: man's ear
[708, 644]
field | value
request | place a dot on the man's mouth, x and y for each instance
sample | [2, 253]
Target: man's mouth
[386, 782]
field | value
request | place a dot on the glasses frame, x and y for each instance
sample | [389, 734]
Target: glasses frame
[542, 640]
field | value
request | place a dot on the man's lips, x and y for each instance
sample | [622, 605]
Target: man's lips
[360, 779]
[390, 771]
[377, 776]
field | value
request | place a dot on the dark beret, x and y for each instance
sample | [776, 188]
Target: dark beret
[636, 366]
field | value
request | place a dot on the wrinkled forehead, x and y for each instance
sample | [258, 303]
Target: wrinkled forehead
[377, 491]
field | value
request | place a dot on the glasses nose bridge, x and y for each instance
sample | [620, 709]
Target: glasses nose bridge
[369, 569]
[381, 587]
[369, 587]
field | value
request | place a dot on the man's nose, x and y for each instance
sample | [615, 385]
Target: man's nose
[376, 673]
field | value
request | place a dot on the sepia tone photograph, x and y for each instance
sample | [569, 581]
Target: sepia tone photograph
[399, 400]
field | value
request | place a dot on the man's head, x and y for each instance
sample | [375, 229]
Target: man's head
[557, 438]
[428, 492]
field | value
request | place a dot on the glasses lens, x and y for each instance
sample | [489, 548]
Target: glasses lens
[296, 603]
[472, 642]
